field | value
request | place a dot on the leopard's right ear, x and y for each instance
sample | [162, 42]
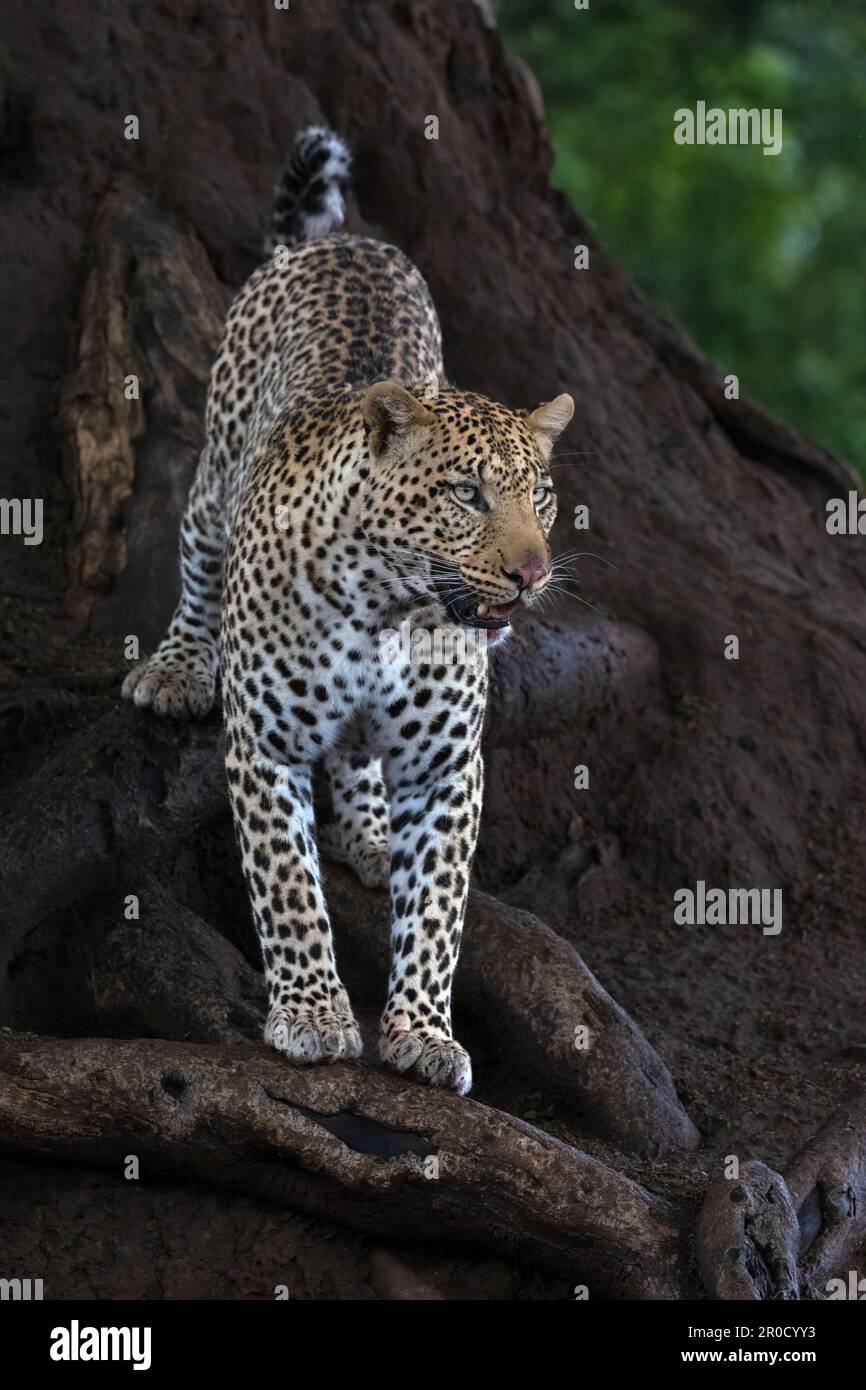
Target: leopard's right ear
[390, 414]
[549, 420]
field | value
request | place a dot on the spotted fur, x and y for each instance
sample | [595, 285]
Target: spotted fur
[346, 492]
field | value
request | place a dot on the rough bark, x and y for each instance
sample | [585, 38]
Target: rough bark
[827, 1181]
[748, 1236]
[763, 1236]
[373, 1151]
[150, 323]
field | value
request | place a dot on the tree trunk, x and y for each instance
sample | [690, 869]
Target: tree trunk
[130, 981]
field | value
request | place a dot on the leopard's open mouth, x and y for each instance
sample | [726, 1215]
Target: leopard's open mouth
[470, 611]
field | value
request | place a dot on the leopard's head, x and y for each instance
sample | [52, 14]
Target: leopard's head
[459, 500]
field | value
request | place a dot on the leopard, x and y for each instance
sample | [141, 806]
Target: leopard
[348, 496]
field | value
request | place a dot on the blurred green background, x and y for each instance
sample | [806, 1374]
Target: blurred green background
[760, 257]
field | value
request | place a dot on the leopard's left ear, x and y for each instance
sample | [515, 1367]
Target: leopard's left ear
[390, 412]
[549, 420]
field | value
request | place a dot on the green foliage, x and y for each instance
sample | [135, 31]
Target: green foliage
[760, 257]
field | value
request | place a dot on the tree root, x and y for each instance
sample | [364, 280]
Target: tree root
[763, 1237]
[100, 810]
[827, 1181]
[171, 975]
[748, 1236]
[530, 990]
[378, 1153]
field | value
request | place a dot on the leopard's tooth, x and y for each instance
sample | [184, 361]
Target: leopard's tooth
[482, 610]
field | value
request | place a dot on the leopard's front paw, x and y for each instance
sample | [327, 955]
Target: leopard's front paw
[437, 1061]
[169, 689]
[308, 1033]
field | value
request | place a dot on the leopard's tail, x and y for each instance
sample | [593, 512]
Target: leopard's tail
[308, 199]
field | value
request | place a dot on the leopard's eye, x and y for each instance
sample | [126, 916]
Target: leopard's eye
[541, 494]
[465, 492]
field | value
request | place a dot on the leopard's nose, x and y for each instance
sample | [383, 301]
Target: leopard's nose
[528, 572]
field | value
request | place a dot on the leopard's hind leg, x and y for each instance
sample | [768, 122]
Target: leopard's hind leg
[359, 833]
[179, 680]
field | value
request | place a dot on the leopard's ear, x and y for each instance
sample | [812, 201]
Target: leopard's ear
[390, 412]
[549, 420]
